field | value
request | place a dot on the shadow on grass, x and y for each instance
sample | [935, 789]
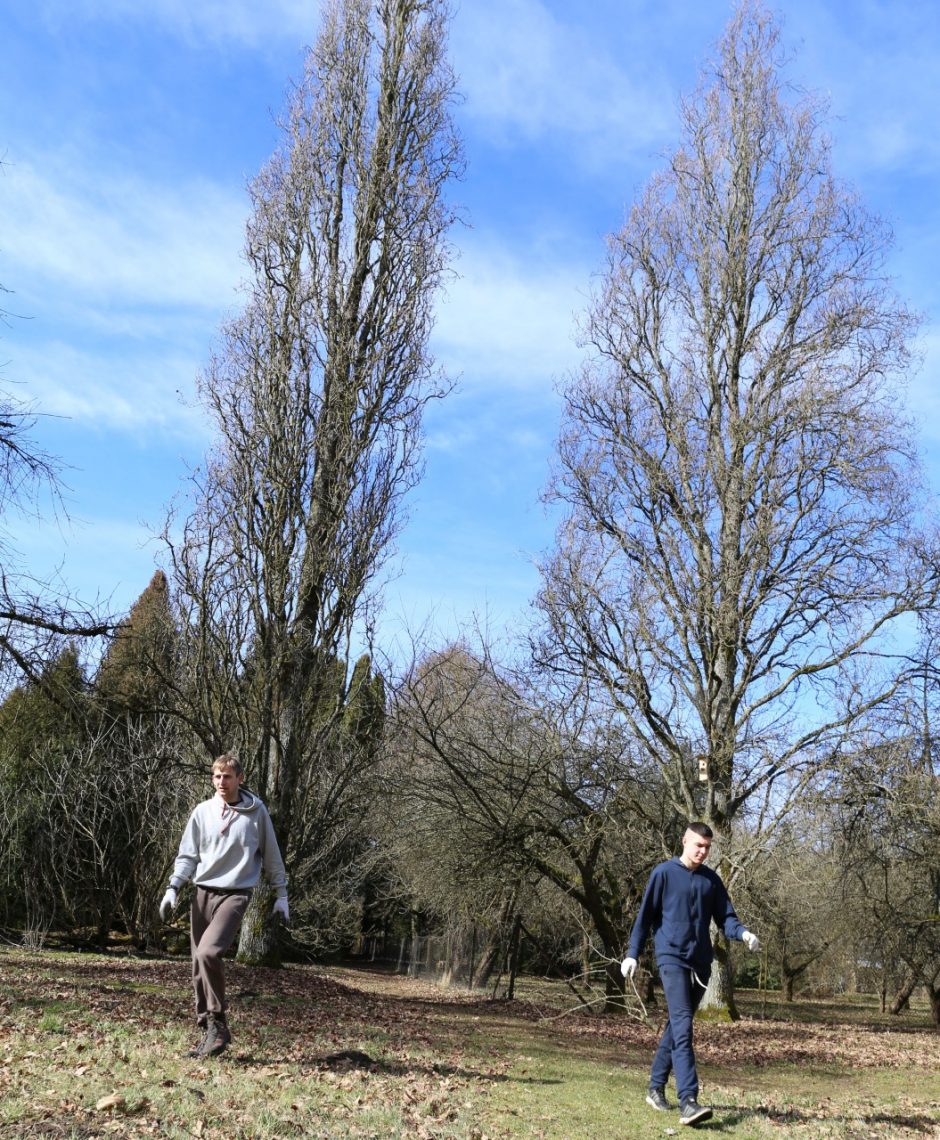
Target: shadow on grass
[833, 1020]
[925, 1124]
[733, 1114]
[409, 1069]
[860, 1010]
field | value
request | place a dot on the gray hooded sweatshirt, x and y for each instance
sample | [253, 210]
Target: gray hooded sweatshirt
[227, 846]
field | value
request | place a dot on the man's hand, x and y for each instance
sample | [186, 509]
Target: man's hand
[751, 941]
[168, 904]
[628, 967]
[280, 907]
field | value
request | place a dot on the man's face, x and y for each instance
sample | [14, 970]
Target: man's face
[695, 849]
[226, 783]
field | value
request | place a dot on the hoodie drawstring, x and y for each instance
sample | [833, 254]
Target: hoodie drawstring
[228, 814]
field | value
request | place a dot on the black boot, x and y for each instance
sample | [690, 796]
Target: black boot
[217, 1036]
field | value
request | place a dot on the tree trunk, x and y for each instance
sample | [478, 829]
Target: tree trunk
[718, 1002]
[649, 991]
[494, 944]
[473, 956]
[933, 994]
[597, 902]
[615, 988]
[414, 962]
[903, 996]
[488, 960]
[514, 945]
[259, 943]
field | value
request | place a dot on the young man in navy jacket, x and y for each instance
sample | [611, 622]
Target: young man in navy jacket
[682, 898]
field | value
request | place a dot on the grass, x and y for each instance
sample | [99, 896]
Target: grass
[76, 1030]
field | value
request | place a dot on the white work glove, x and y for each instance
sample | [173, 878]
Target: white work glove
[168, 904]
[628, 967]
[280, 907]
[751, 941]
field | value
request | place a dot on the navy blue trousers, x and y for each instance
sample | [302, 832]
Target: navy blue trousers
[675, 1053]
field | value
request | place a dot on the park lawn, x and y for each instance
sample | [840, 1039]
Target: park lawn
[92, 1046]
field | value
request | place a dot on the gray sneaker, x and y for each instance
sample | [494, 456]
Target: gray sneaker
[656, 1098]
[692, 1112]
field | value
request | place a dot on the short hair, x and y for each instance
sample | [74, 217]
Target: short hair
[701, 829]
[228, 760]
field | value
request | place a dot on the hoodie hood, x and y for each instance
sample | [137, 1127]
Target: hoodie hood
[247, 802]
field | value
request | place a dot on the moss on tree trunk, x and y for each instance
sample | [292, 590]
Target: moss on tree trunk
[259, 943]
[718, 1002]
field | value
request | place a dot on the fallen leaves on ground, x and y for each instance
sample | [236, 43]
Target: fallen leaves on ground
[755, 1042]
[90, 1046]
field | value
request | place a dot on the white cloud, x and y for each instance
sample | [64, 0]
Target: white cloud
[452, 439]
[508, 323]
[246, 22]
[923, 392]
[879, 72]
[125, 283]
[119, 240]
[526, 71]
[128, 389]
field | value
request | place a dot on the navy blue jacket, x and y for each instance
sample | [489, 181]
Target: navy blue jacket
[678, 906]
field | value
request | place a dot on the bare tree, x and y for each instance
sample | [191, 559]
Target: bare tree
[461, 762]
[887, 814]
[891, 822]
[738, 477]
[317, 395]
[514, 784]
[794, 896]
[37, 617]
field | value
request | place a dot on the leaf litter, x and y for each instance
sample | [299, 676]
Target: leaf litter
[313, 1055]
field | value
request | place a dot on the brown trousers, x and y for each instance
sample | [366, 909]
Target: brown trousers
[214, 921]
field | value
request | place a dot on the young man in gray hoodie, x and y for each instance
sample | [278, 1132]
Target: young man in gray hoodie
[228, 842]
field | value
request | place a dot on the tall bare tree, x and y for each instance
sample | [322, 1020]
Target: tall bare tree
[737, 473]
[317, 394]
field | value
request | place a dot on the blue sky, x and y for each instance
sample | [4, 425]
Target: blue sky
[129, 129]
